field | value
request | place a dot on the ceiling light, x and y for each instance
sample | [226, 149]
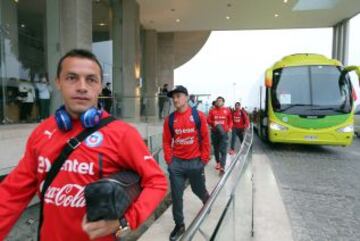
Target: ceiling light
[276, 15]
[22, 25]
[102, 24]
[178, 20]
[227, 17]
[16, 1]
[285, 1]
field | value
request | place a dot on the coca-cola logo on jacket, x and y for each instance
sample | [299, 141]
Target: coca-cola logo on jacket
[69, 195]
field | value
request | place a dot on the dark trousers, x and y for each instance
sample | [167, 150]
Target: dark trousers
[44, 108]
[220, 147]
[179, 171]
[236, 132]
[25, 111]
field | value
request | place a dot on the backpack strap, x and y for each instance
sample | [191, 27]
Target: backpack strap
[171, 124]
[196, 116]
[70, 146]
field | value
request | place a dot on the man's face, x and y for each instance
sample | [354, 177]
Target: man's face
[179, 99]
[237, 106]
[219, 102]
[80, 84]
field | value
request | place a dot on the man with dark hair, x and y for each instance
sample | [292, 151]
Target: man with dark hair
[79, 53]
[241, 122]
[115, 147]
[220, 120]
[187, 151]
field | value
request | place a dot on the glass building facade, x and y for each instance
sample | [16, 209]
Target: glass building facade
[22, 59]
[25, 45]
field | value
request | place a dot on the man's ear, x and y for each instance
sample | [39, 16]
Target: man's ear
[57, 83]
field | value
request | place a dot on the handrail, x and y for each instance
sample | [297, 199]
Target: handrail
[156, 152]
[205, 210]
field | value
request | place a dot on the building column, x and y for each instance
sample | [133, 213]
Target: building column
[126, 58]
[10, 65]
[340, 49]
[166, 59]
[68, 26]
[150, 85]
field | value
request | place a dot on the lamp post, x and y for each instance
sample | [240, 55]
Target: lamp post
[2, 73]
[234, 92]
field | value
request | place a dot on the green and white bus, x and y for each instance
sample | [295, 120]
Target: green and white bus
[307, 99]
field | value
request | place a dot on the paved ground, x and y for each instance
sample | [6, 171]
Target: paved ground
[320, 187]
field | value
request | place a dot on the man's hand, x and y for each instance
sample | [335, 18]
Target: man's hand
[99, 228]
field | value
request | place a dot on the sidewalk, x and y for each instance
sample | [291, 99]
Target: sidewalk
[271, 222]
[162, 227]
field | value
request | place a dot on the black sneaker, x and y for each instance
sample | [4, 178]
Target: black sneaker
[177, 232]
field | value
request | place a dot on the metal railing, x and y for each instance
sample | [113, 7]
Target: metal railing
[147, 107]
[228, 214]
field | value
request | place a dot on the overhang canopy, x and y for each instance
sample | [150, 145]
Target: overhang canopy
[194, 15]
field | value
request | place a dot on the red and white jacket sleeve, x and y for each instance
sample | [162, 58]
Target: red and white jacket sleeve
[205, 140]
[167, 141]
[210, 118]
[230, 120]
[153, 181]
[247, 120]
[17, 190]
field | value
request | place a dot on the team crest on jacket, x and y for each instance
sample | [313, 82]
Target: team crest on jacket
[191, 118]
[94, 140]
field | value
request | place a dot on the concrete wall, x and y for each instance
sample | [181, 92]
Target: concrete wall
[150, 80]
[340, 49]
[69, 25]
[166, 58]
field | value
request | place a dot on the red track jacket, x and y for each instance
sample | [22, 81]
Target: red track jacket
[240, 119]
[185, 144]
[121, 148]
[220, 116]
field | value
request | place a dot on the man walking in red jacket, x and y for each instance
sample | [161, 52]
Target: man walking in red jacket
[187, 151]
[113, 148]
[220, 120]
[241, 122]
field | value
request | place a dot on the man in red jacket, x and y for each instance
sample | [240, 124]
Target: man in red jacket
[187, 151]
[113, 148]
[220, 120]
[241, 122]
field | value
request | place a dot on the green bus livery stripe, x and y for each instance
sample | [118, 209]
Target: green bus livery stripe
[307, 123]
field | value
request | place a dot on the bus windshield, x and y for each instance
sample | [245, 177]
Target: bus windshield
[311, 90]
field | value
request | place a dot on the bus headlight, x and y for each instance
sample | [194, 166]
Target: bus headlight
[346, 129]
[277, 127]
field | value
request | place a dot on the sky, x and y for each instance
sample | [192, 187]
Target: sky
[232, 63]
